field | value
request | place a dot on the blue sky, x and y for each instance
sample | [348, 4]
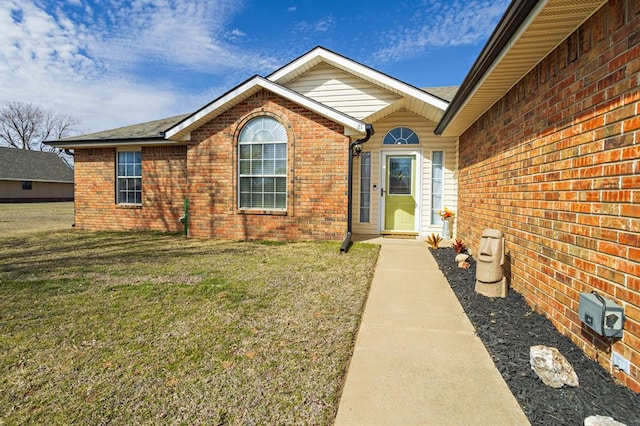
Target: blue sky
[112, 63]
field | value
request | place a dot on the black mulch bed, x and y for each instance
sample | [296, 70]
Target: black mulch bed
[508, 328]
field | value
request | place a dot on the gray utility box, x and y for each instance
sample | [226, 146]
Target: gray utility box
[604, 316]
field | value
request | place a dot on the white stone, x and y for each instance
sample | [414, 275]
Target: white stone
[552, 367]
[462, 257]
[601, 421]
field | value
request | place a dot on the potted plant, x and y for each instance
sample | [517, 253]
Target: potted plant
[447, 222]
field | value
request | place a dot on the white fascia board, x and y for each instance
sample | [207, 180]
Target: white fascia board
[317, 107]
[349, 66]
[252, 86]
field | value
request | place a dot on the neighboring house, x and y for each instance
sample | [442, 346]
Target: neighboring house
[270, 160]
[542, 139]
[34, 176]
[549, 146]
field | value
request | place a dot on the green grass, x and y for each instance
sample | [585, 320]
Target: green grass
[132, 328]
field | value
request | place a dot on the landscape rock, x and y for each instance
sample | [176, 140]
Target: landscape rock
[601, 421]
[508, 328]
[552, 367]
[461, 257]
[464, 265]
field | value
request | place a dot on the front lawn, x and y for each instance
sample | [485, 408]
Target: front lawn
[132, 328]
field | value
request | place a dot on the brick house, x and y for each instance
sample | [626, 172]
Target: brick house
[34, 176]
[540, 141]
[549, 149]
[270, 159]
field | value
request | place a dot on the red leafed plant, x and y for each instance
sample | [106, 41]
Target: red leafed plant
[458, 245]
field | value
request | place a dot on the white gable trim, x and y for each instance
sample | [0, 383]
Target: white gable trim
[319, 54]
[182, 130]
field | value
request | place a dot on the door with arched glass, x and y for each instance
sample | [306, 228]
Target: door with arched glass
[400, 190]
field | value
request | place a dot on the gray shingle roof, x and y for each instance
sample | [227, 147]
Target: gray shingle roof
[444, 92]
[151, 129]
[21, 164]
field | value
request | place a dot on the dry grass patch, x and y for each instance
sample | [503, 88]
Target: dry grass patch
[144, 328]
[20, 218]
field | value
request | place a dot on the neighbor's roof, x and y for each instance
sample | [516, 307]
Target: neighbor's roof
[526, 34]
[22, 164]
[139, 134]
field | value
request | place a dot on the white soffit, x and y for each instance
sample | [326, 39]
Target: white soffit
[306, 62]
[548, 26]
[182, 130]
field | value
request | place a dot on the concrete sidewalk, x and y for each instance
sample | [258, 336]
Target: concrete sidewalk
[417, 360]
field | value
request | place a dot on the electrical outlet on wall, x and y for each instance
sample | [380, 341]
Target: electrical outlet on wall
[621, 362]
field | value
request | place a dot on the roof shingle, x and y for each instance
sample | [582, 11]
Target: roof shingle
[21, 164]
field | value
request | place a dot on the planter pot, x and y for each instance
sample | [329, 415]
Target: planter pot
[447, 228]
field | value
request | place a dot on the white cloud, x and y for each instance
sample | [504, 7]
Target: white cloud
[321, 25]
[85, 59]
[437, 24]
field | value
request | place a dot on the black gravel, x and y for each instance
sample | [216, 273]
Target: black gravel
[508, 328]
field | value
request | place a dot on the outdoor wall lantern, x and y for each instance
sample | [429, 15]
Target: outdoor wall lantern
[357, 149]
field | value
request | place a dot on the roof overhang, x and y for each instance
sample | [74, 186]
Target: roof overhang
[109, 143]
[23, 179]
[182, 130]
[526, 34]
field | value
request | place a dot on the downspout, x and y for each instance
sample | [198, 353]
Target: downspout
[354, 150]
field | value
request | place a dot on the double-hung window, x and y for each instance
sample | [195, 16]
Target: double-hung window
[129, 180]
[262, 165]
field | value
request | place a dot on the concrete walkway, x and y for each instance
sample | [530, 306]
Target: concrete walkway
[417, 360]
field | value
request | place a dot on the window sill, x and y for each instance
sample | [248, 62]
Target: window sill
[129, 206]
[262, 212]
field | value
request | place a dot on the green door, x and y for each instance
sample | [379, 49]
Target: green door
[400, 198]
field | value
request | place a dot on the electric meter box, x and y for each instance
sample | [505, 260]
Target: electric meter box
[603, 316]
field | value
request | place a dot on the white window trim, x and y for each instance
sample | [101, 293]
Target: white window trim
[285, 176]
[444, 162]
[118, 177]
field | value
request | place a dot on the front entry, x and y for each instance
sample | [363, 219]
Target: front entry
[399, 193]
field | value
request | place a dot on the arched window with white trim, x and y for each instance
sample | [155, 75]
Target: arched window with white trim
[401, 136]
[262, 165]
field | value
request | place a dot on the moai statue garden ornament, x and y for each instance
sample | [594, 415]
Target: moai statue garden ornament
[490, 281]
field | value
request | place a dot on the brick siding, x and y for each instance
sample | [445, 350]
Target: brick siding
[205, 171]
[555, 164]
[316, 181]
[163, 191]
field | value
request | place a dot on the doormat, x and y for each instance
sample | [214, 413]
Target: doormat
[400, 236]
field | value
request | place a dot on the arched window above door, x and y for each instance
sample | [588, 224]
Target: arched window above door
[401, 136]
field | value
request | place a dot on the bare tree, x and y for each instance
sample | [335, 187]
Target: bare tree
[28, 126]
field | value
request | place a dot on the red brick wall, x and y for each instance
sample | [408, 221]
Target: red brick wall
[316, 181]
[316, 185]
[555, 164]
[164, 187]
